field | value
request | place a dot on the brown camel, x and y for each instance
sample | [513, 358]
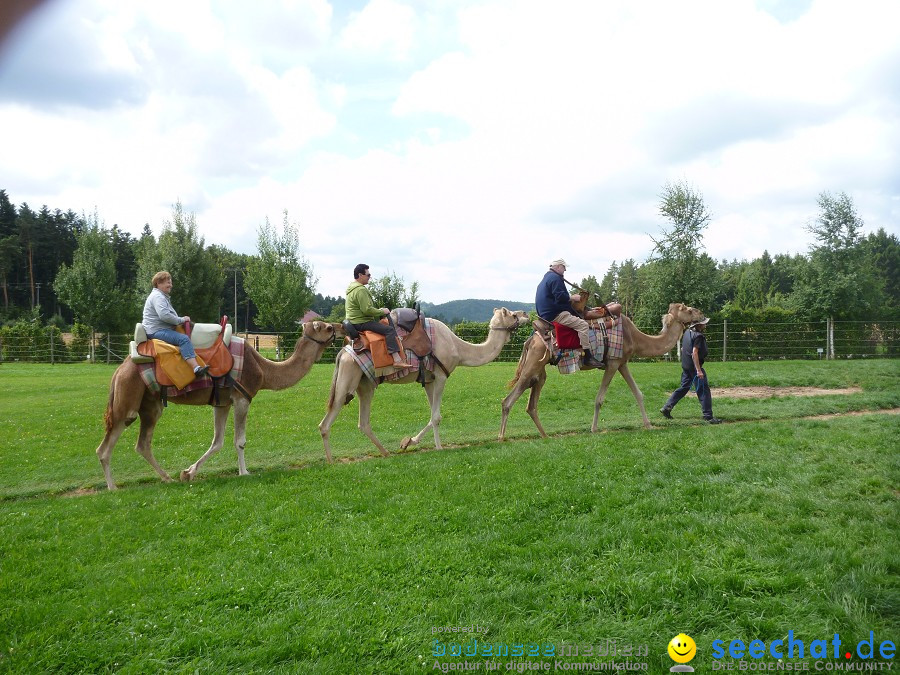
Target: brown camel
[129, 398]
[450, 350]
[531, 372]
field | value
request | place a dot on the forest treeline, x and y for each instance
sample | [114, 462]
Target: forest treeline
[61, 268]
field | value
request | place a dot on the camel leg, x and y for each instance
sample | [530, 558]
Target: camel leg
[150, 412]
[638, 396]
[220, 418]
[601, 394]
[366, 391]
[533, 399]
[435, 392]
[104, 450]
[241, 408]
[337, 398]
[507, 406]
[121, 410]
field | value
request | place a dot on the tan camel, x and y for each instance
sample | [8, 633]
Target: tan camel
[531, 372]
[450, 350]
[129, 398]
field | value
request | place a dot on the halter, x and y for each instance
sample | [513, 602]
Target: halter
[326, 343]
[510, 329]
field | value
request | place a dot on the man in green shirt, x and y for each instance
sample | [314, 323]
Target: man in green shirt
[363, 314]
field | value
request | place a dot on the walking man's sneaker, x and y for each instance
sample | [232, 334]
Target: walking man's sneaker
[667, 413]
[713, 420]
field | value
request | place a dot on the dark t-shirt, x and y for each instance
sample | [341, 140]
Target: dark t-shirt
[690, 340]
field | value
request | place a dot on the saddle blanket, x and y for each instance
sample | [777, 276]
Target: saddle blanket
[601, 341]
[236, 347]
[364, 359]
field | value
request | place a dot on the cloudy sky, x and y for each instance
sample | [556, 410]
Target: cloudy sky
[462, 144]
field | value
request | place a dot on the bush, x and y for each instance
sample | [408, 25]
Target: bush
[29, 340]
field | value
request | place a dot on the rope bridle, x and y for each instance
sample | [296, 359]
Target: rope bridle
[325, 343]
[511, 329]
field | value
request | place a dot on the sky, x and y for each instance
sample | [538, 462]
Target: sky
[459, 144]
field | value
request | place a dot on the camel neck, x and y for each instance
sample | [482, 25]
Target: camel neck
[284, 374]
[480, 354]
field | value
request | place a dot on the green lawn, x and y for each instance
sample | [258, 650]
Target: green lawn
[768, 524]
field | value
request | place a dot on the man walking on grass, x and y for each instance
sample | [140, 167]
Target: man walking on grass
[693, 354]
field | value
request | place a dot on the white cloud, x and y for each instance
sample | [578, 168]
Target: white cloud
[464, 145]
[382, 26]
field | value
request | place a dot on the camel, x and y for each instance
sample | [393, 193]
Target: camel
[450, 350]
[531, 372]
[129, 398]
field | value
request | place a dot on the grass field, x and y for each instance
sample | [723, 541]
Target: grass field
[774, 522]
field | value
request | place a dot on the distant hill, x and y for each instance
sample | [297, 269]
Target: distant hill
[470, 310]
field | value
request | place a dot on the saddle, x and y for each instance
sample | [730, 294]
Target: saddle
[558, 337]
[210, 342]
[416, 339]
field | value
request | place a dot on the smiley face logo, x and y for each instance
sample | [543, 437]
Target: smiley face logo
[682, 648]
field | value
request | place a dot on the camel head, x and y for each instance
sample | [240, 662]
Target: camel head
[684, 314]
[321, 331]
[504, 319]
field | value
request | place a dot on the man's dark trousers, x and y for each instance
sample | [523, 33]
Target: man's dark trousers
[390, 335]
[703, 393]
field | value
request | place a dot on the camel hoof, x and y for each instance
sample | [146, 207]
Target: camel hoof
[405, 443]
[186, 476]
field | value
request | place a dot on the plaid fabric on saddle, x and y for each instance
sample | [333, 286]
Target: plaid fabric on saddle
[236, 347]
[570, 359]
[364, 359]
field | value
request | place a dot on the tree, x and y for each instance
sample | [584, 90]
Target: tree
[628, 286]
[680, 272]
[882, 254]
[9, 252]
[278, 279]
[590, 284]
[198, 281]
[390, 291]
[89, 286]
[837, 283]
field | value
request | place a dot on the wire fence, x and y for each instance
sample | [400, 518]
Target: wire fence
[727, 342]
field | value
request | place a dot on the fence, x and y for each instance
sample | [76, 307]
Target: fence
[728, 341]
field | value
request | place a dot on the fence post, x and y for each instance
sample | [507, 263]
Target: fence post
[725, 340]
[51, 347]
[831, 338]
[107, 348]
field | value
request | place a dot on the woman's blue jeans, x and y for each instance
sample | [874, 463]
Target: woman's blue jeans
[173, 337]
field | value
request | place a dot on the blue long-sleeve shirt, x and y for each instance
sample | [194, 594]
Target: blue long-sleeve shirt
[159, 313]
[552, 297]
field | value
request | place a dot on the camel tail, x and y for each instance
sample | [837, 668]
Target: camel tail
[107, 415]
[512, 382]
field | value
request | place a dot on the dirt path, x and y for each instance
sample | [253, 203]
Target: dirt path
[769, 392]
